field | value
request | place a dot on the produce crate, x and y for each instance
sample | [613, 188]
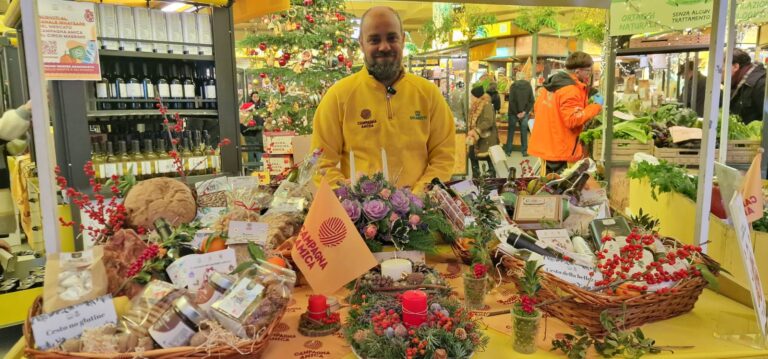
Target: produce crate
[621, 150]
[742, 151]
[679, 156]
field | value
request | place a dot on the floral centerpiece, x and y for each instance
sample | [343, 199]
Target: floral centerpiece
[385, 215]
[386, 327]
[525, 316]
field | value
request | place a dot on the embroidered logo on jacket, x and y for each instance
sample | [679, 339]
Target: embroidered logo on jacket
[417, 116]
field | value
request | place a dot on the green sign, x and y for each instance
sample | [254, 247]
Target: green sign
[647, 16]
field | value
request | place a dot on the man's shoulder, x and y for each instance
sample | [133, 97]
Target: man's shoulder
[421, 84]
[346, 84]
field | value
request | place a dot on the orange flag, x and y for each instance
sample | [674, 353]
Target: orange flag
[752, 189]
[329, 250]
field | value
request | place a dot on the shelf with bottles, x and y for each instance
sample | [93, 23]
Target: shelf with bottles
[132, 88]
[153, 55]
[150, 155]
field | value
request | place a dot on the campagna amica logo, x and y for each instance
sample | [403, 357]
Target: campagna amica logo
[332, 232]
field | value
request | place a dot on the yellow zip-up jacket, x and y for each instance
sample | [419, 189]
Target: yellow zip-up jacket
[415, 127]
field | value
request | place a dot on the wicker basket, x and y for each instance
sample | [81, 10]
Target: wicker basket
[245, 349]
[584, 307]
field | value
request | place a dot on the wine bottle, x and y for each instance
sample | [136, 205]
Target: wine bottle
[97, 158]
[575, 190]
[210, 88]
[189, 89]
[110, 163]
[148, 87]
[214, 165]
[125, 165]
[120, 88]
[163, 87]
[521, 240]
[177, 88]
[559, 186]
[510, 185]
[134, 88]
[164, 161]
[137, 160]
[102, 90]
[149, 168]
[186, 154]
[200, 163]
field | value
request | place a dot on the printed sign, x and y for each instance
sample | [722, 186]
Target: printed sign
[741, 224]
[52, 329]
[244, 232]
[191, 270]
[279, 143]
[556, 238]
[572, 273]
[68, 40]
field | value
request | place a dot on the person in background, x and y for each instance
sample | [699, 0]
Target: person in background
[382, 107]
[493, 91]
[13, 125]
[686, 97]
[457, 102]
[482, 132]
[747, 87]
[562, 109]
[519, 111]
[252, 126]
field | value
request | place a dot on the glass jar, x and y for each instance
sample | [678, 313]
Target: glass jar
[524, 331]
[474, 291]
[217, 285]
[178, 324]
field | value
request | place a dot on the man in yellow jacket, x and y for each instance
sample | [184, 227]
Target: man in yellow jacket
[382, 107]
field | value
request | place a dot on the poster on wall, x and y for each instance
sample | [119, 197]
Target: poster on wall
[68, 40]
[630, 17]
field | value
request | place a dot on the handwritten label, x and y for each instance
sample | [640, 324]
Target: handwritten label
[191, 271]
[556, 238]
[244, 232]
[413, 256]
[572, 273]
[741, 224]
[54, 328]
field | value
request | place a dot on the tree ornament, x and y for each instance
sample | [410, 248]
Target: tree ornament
[340, 40]
[252, 52]
[341, 58]
[263, 75]
[286, 55]
[251, 123]
[262, 46]
[282, 62]
[308, 2]
[298, 26]
[281, 88]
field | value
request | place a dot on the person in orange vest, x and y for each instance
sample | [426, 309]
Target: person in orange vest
[561, 109]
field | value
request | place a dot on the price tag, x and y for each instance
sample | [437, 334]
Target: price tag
[52, 329]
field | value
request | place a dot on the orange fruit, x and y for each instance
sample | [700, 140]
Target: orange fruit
[213, 244]
[277, 261]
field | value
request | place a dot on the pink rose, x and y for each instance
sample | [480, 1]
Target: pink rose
[370, 231]
[385, 193]
[414, 219]
[393, 217]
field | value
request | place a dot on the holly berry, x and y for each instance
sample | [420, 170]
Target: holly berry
[263, 46]
[282, 62]
[341, 58]
[340, 40]
[263, 75]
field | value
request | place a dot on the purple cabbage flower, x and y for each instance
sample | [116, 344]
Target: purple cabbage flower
[416, 201]
[342, 192]
[353, 209]
[400, 201]
[375, 209]
[369, 188]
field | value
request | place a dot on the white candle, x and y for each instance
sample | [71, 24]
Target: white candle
[384, 164]
[395, 268]
[352, 167]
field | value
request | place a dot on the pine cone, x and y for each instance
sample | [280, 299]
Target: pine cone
[401, 331]
[415, 278]
[440, 354]
[382, 282]
[460, 334]
[360, 335]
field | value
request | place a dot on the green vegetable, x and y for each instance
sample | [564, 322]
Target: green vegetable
[665, 178]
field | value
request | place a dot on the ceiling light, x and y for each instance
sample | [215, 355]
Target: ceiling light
[172, 7]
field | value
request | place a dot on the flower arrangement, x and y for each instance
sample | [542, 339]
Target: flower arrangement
[475, 286]
[379, 329]
[422, 277]
[525, 316]
[385, 215]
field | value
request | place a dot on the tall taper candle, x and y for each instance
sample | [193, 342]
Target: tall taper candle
[352, 173]
[384, 164]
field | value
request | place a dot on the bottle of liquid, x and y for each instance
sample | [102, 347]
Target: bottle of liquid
[134, 87]
[148, 167]
[186, 155]
[210, 87]
[177, 89]
[189, 89]
[137, 160]
[110, 163]
[120, 89]
[102, 90]
[164, 161]
[214, 163]
[125, 165]
[200, 163]
[97, 158]
[148, 88]
[163, 86]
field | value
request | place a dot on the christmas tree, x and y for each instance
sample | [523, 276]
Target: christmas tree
[304, 51]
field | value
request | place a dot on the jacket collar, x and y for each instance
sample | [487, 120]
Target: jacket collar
[757, 73]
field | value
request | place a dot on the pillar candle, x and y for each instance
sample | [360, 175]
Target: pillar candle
[395, 268]
[414, 304]
[352, 167]
[384, 164]
[318, 307]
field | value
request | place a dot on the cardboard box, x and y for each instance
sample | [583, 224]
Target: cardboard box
[279, 143]
[126, 28]
[173, 22]
[159, 31]
[189, 29]
[143, 29]
[205, 33]
[107, 18]
[277, 164]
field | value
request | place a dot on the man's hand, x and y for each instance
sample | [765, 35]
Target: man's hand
[598, 99]
[5, 245]
[521, 115]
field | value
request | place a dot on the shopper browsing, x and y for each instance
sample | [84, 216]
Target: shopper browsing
[747, 87]
[689, 70]
[519, 110]
[495, 98]
[561, 110]
[382, 107]
[482, 129]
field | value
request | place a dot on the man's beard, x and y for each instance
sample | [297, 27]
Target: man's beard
[386, 71]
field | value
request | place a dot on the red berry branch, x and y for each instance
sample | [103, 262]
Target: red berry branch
[109, 215]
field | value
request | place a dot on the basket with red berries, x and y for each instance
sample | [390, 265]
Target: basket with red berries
[413, 325]
[642, 277]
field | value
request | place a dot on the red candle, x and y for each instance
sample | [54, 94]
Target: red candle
[414, 304]
[318, 307]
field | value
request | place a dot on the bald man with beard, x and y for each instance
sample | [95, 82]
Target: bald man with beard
[383, 107]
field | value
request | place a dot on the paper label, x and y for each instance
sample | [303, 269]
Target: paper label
[239, 298]
[465, 188]
[210, 92]
[109, 170]
[557, 239]
[278, 145]
[198, 163]
[101, 173]
[134, 90]
[146, 168]
[414, 256]
[54, 328]
[681, 134]
[200, 236]
[572, 273]
[149, 90]
[177, 91]
[208, 216]
[76, 259]
[164, 90]
[191, 270]
[122, 90]
[189, 91]
[244, 232]
[165, 166]
[101, 90]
